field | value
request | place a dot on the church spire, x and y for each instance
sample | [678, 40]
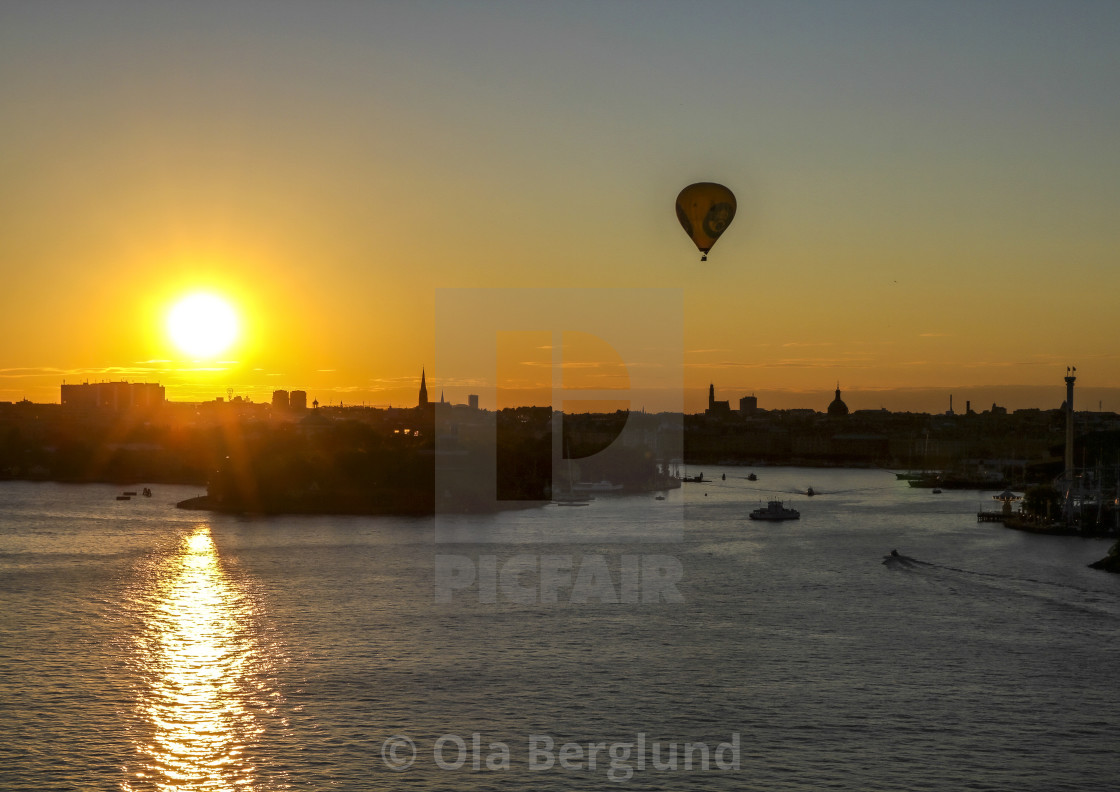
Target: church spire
[838, 408]
[423, 389]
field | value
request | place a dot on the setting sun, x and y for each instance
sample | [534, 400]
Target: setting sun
[202, 325]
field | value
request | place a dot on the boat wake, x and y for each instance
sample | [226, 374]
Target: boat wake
[895, 560]
[1027, 586]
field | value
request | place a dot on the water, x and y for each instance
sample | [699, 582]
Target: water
[144, 647]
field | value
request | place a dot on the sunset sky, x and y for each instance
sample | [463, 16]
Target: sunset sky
[928, 192]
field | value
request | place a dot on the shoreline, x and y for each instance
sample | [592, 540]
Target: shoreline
[205, 503]
[1054, 529]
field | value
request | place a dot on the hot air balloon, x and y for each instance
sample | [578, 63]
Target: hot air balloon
[705, 210]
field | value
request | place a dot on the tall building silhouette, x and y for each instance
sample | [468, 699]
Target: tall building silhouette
[1071, 377]
[716, 407]
[113, 395]
[837, 409]
[423, 390]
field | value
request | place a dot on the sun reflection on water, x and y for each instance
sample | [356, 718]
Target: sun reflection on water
[205, 687]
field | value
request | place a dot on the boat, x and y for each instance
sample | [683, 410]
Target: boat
[124, 497]
[810, 492]
[936, 491]
[569, 497]
[897, 560]
[129, 494]
[659, 497]
[774, 510]
[752, 477]
[566, 499]
[596, 486]
[959, 479]
[697, 479]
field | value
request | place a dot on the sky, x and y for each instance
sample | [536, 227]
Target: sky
[928, 193]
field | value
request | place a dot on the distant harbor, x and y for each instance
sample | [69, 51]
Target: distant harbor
[294, 455]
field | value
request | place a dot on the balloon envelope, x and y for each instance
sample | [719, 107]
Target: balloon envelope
[705, 210]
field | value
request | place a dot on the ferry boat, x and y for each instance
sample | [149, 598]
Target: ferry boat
[571, 499]
[774, 510]
[596, 486]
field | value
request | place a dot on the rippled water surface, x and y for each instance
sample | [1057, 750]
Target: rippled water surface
[144, 647]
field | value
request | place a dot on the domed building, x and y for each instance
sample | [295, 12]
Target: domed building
[837, 409]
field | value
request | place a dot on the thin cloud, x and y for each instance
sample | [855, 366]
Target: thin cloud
[464, 382]
[573, 364]
[819, 362]
[102, 371]
[347, 389]
[396, 380]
